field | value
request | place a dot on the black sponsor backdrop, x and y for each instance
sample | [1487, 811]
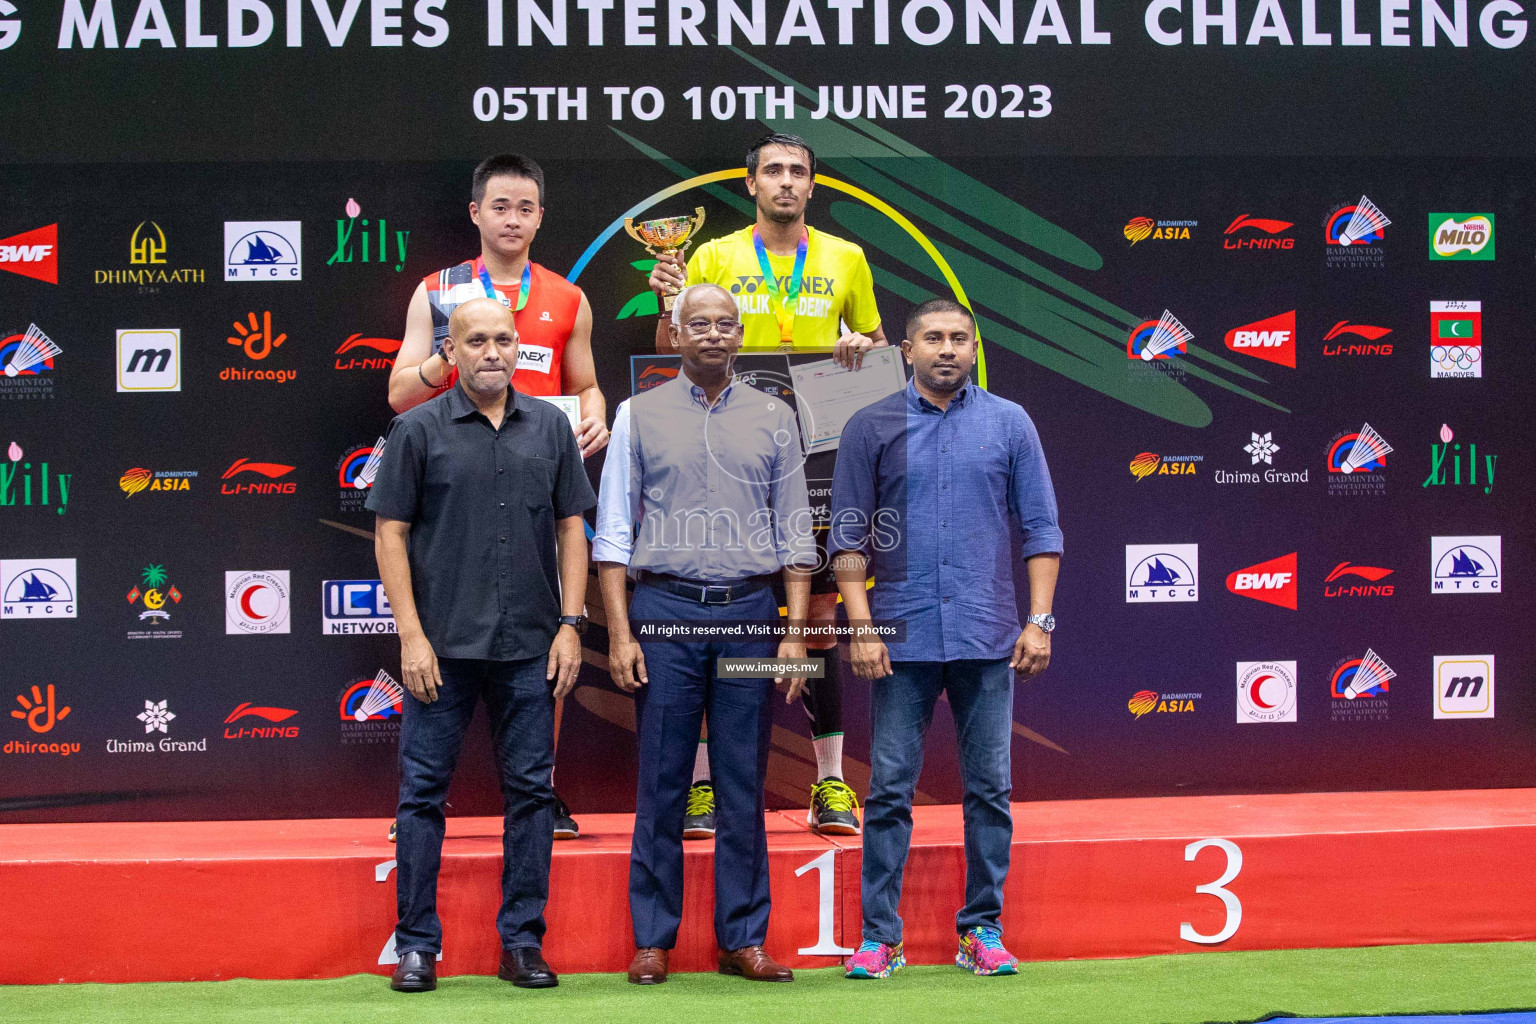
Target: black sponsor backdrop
[242, 115]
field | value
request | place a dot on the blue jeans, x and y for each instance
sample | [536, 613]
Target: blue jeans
[901, 707]
[682, 691]
[521, 707]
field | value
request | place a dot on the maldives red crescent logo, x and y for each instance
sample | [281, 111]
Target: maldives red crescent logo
[1273, 582]
[32, 253]
[1273, 340]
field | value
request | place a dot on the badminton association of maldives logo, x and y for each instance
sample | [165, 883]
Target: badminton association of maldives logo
[1356, 462]
[1163, 338]
[1358, 688]
[1354, 235]
[371, 709]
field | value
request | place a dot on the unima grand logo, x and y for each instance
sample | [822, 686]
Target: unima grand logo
[1464, 686]
[1266, 691]
[1351, 339]
[33, 254]
[27, 363]
[1273, 582]
[1461, 236]
[1157, 573]
[256, 602]
[1272, 339]
[1247, 233]
[1466, 565]
[263, 250]
[149, 359]
[37, 588]
[245, 723]
[1456, 338]
[157, 717]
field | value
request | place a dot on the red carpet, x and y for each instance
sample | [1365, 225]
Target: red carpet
[1101, 878]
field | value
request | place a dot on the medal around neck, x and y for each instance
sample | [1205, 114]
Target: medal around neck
[665, 236]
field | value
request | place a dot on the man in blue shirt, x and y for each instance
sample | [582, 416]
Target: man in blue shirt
[703, 500]
[930, 484]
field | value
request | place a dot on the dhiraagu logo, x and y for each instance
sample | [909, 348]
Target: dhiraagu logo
[1461, 236]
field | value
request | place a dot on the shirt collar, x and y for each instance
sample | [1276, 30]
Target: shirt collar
[696, 393]
[461, 408]
[918, 403]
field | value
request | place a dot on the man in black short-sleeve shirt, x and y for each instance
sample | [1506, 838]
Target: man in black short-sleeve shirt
[483, 554]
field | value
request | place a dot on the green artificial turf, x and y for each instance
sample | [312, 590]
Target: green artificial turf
[1187, 989]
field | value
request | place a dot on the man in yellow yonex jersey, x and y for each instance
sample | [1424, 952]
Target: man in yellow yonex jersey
[798, 289]
[552, 318]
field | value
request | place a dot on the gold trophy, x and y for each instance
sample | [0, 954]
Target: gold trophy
[665, 236]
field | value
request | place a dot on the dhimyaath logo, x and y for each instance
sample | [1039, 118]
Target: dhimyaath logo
[1461, 236]
[147, 269]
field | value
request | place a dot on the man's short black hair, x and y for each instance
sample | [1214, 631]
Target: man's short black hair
[510, 165]
[922, 309]
[778, 139]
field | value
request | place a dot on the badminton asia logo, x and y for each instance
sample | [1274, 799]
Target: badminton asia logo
[1249, 233]
[147, 266]
[154, 599]
[1273, 582]
[27, 484]
[1446, 461]
[235, 482]
[1358, 688]
[263, 250]
[1466, 565]
[256, 602]
[355, 473]
[370, 710]
[1343, 335]
[1342, 581]
[1356, 463]
[27, 364]
[1456, 339]
[139, 480]
[257, 340]
[33, 254]
[365, 349]
[1152, 464]
[1266, 692]
[1273, 339]
[1160, 339]
[1156, 573]
[1150, 702]
[1353, 236]
[37, 588]
[244, 723]
[357, 241]
[1140, 229]
[1461, 236]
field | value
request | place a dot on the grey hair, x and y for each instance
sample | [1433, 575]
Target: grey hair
[677, 307]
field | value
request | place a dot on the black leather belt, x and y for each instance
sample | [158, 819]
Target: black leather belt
[706, 593]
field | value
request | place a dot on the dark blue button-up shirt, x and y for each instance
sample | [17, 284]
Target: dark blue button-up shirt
[931, 496]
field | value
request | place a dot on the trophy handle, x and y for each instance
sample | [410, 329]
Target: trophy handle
[698, 222]
[629, 225]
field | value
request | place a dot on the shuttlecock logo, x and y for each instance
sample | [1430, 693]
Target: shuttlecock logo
[1363, 223]
[1142, 701]
[1162, 338]
[1364, 451]
[1362, 677]
[36, 349]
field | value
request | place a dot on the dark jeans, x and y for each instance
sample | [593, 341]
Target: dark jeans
[682, 691]
[521, 707]
[901, 707]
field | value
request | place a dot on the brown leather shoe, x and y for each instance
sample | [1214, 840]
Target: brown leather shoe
[752, 963]
[649, 967]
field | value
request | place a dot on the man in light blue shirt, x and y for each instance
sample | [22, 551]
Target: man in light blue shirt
[931, 485]
[703, 500]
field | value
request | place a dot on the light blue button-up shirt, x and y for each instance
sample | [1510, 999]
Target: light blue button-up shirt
[704, 493]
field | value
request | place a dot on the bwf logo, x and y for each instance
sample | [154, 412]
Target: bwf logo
[1464, 686]
[149, 359]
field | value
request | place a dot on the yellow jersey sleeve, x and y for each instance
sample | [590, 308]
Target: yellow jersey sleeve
[859, 312]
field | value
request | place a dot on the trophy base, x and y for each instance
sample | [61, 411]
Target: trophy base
[667, 302]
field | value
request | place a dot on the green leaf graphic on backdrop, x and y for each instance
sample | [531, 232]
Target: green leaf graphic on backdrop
[1020, 304]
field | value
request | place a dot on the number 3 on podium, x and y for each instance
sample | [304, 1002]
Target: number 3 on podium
[1229, 900]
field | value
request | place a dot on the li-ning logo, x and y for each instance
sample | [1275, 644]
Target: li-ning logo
[271, 470]
[1373, 575]
[1347, 348]
[33, 254]
[260, 732]
[1264, 227]
[385, 346]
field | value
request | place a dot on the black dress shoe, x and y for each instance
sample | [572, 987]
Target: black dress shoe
[525, 968]
[417, 972]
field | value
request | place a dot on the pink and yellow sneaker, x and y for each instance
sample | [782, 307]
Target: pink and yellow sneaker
[982, 952]
[875, 960]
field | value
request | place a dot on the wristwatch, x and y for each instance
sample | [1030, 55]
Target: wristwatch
[1046, 622]
[576, 622]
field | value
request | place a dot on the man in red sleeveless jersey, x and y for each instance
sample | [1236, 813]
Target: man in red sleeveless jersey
[552, 317]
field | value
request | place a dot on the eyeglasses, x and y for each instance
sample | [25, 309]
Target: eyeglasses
[701, 328]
